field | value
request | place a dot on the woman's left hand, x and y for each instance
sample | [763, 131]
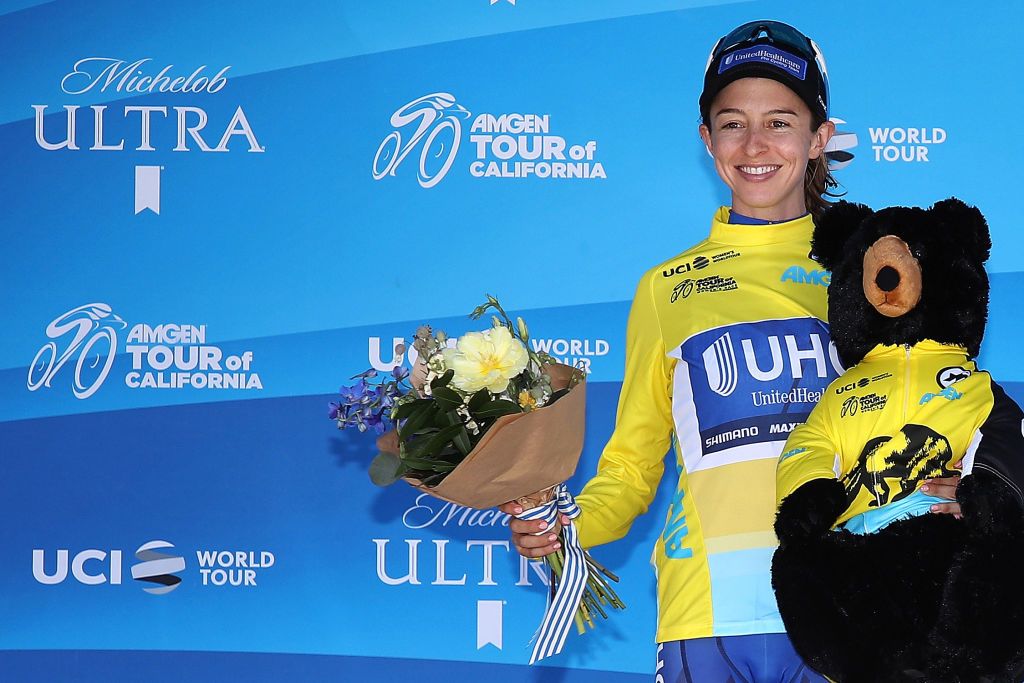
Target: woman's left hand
[944, 487]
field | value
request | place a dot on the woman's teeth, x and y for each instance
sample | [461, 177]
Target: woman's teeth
[759, 170]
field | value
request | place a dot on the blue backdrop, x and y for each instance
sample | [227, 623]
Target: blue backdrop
[213, 214]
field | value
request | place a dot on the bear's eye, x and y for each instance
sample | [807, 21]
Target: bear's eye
[917, 253]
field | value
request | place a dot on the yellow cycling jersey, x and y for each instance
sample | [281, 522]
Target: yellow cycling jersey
[726, 352]
[900, 416]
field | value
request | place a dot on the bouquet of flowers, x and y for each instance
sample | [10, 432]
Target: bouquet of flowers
[481, 420]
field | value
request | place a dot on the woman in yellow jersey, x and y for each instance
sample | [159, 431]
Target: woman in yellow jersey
[727, 351]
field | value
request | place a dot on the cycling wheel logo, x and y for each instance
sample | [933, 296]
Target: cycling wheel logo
[86, 335]
[430, 124]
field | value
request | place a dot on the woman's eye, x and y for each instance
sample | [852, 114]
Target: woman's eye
[780, 124]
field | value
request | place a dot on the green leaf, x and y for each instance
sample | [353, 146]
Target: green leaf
[497, 408]
[406, 409]
[429, 447]
[433, 479]
[461, 441]
[417, 421]
[443, 380]
[478, 399]
[447, 419]
[448, 398]
[385, 469]
[418, 464]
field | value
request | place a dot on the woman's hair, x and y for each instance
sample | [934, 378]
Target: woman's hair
[818, 181]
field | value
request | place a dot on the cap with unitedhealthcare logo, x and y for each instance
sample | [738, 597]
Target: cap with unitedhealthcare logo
[768, 49]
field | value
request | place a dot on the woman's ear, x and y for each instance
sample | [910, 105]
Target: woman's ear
[820, 139]
[705, 136]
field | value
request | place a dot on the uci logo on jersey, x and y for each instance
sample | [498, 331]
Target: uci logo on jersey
[804, 277]
[859, 384]
[764, 358]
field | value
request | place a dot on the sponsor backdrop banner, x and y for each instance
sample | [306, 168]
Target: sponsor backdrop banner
[214, 214]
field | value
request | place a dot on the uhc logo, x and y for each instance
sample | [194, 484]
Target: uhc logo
[720, 365]
[776, 355]
[752, 382]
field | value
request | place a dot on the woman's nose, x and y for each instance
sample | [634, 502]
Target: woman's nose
[754, 142]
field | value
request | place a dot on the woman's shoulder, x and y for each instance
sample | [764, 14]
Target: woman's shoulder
[692, 259]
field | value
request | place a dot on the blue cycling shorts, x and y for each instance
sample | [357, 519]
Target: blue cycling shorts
[760, 658]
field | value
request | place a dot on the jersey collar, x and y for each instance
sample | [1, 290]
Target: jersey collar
[926, 346]
[797, 230]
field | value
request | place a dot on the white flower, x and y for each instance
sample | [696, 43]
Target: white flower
[436, 364]
[486, 360]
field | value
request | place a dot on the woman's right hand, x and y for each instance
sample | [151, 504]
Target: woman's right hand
[532, 539]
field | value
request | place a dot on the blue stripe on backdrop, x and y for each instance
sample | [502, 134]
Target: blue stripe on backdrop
[99, 666]
[276, 476]
[300, 364]
[312, 362]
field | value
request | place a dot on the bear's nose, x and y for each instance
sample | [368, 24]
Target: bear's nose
[888, 279]
[891, 277]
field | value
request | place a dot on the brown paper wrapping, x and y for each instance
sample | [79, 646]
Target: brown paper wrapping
[520, 454]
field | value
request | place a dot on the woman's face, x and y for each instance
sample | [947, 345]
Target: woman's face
[760, 136]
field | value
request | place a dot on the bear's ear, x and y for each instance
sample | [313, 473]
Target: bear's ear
[833, 229]
[965, 226]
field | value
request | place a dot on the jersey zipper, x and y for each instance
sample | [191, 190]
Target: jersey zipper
[906, 383]
[906, 386]
[906, 405]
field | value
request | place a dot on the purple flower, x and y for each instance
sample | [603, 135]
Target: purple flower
[365, 405]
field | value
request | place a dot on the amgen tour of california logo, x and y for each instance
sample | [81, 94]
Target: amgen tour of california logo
[165, 356]
[513, 145]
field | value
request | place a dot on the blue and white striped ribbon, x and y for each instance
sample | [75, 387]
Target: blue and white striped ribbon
[561, 609]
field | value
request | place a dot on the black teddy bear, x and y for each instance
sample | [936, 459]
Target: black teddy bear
[870, 585]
